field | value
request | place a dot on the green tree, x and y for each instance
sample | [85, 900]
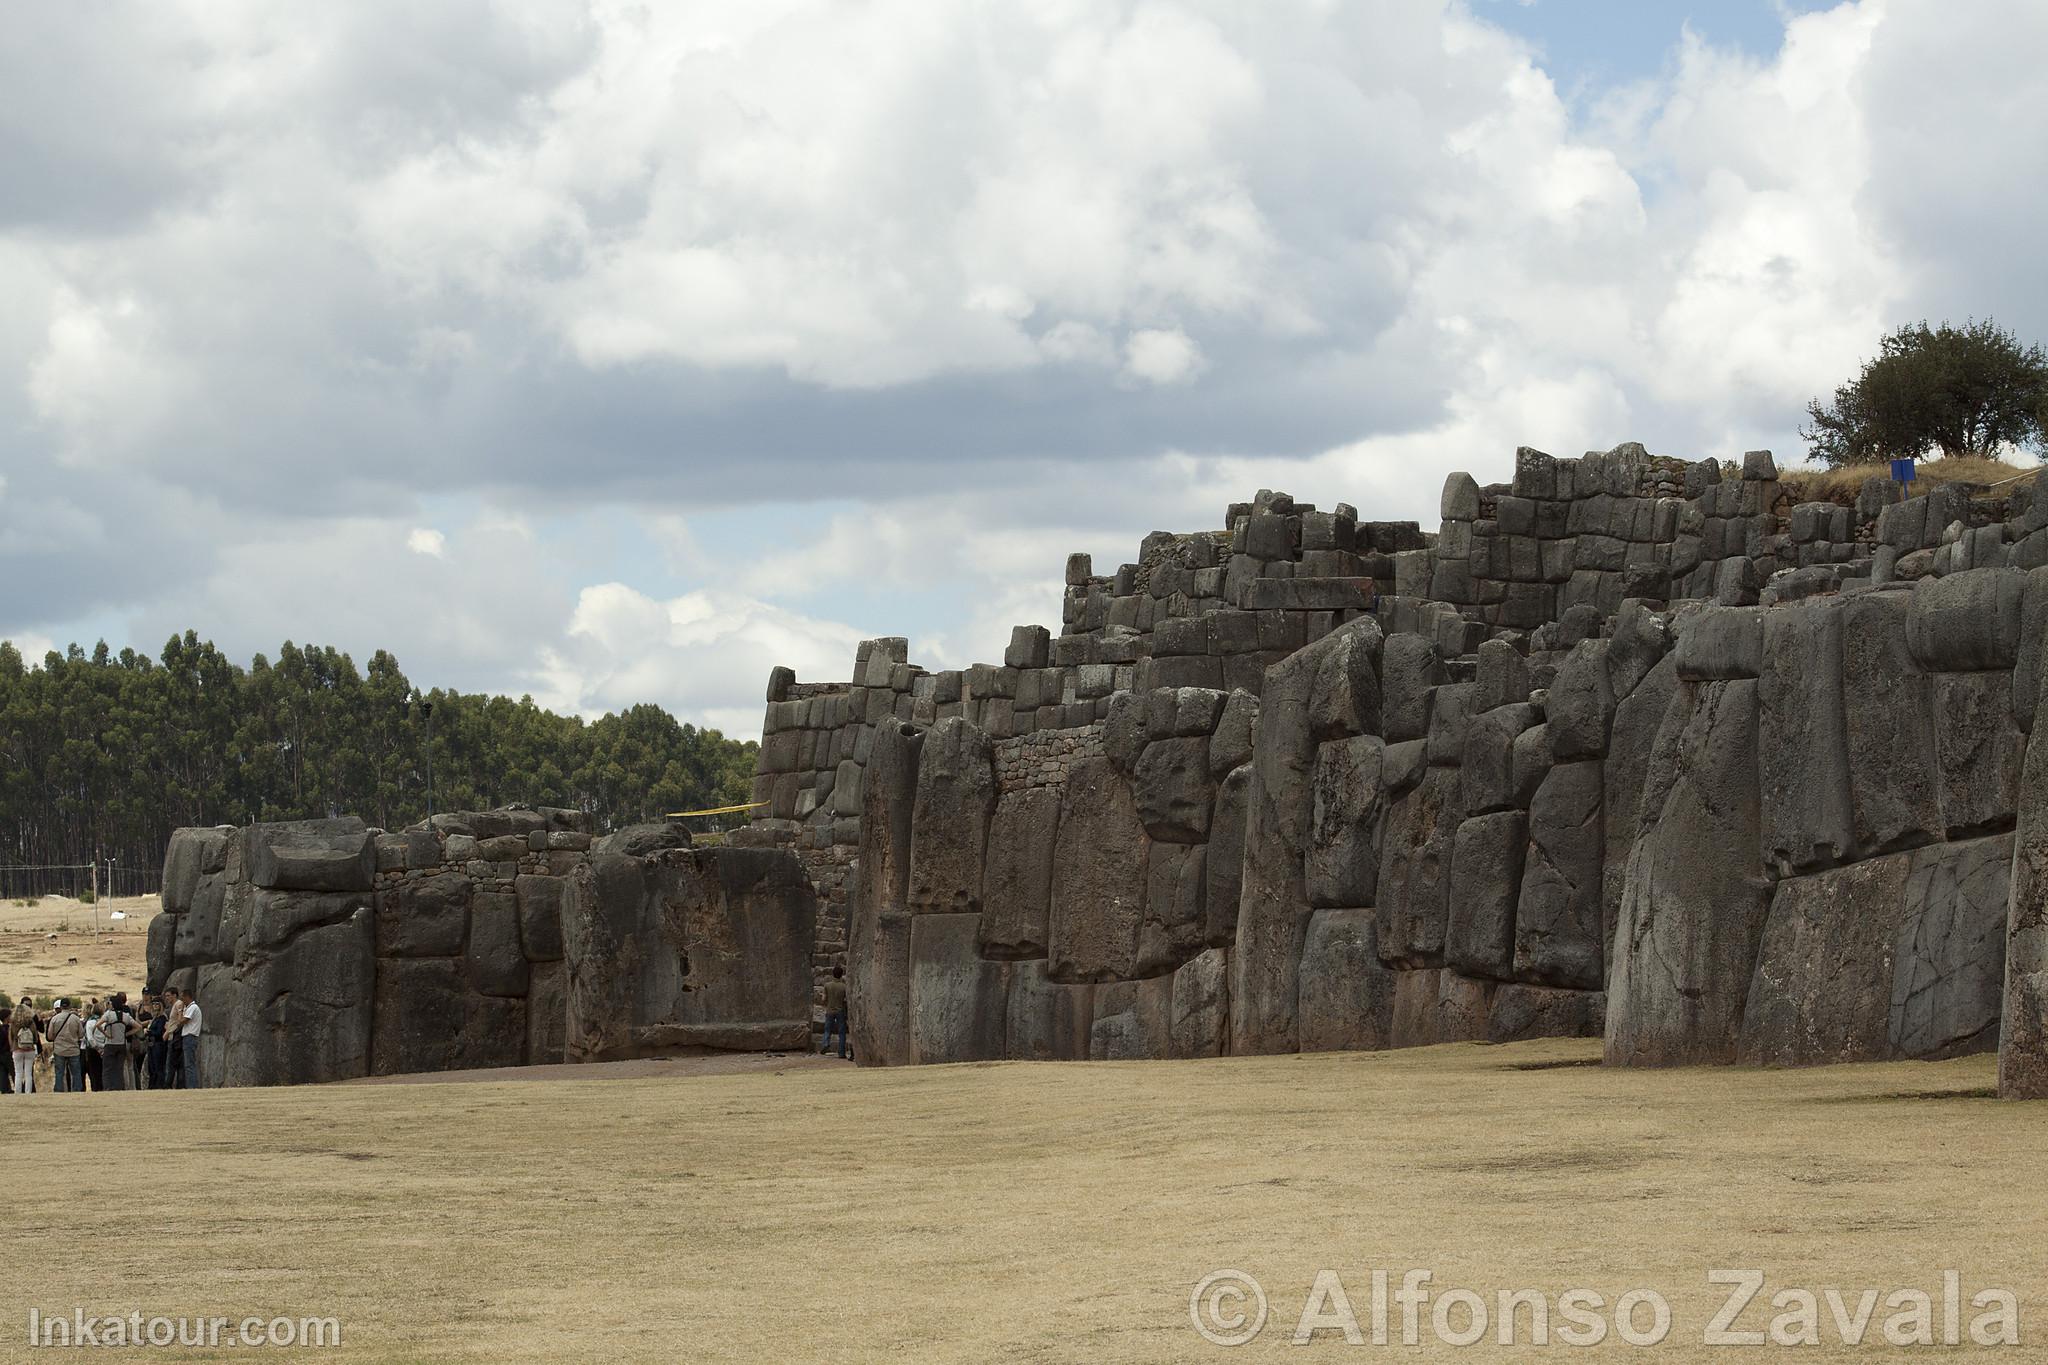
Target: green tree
[1969, 390]
[103, 754]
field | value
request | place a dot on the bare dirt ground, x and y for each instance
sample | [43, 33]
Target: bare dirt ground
[49, 948]
[793, 1210]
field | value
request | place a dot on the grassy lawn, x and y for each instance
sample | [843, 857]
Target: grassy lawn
[1010, 1212]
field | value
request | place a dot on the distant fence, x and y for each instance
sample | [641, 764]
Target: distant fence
[31, 881]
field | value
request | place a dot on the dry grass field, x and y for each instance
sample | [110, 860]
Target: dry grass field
[809, 1211]
[58, 946]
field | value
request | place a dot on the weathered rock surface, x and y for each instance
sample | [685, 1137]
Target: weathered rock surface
[1348, 806]
[1347, 997]
[956, 800]
[1017, 882]
[1098, 882]
[1694, 905]
[1559, 931]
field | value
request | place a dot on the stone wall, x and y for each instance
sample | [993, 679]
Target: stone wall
[323, 949]
[1629, 746]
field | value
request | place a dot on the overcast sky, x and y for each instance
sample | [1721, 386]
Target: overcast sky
[616, 352]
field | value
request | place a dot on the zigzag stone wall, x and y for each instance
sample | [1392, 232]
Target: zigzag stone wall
[1628, 746]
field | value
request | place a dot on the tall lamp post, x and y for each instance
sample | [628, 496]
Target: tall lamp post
[426, 707]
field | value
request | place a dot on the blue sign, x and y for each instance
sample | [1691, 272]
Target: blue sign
[1902, 470]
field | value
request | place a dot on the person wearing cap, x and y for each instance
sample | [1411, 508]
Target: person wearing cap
[66, 1032]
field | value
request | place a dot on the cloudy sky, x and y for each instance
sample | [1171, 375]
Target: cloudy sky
[614, 352]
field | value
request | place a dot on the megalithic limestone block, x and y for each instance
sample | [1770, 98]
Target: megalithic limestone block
[1311, 695]
[1200, 1025]
[2023, 1039]
[1803, 738]
[1637, 720]
[1347, 996]
[959, 1002]
[1098, 880]
[1894, 773]
[1693, 908]
[1017, 881]
[1046, 1020]
[878, 932]
[1559, 935]
[956, 800]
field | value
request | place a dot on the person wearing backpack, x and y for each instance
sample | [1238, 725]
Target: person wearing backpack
[21, 1034]
[67, 1034]
[113, 1048]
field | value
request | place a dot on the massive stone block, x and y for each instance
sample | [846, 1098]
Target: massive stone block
[1980, 749]
[1720, 642]
[492, 959]
[424, 917]
[1173, 926]
[1415, 875]
[1522, 1012]
[1949, 968]
[1559, 930]
[1486, 879]
[299, 1008]
[1464, 1008]
[878, 938]
[1332, 684]
[312, 855]
[1017, 884]
[1638, 717]
[547, 1014]
[1133, 1021]
[1173, 791]
[959, 1002]
[426, 1020]
[1803, 739]
[1347, 995]
[191, 854]
[1823, 983]
[1694, 904]
[540, 916]
[1200, 1006]
[195, 934]
[1966, 621]
[956, 799]
[1487, 773]
[1414, 1021]
[1348, 805]
[1581, 703]
[1098, 882]
[1046, 1021]
[709, 948]
[878, 991]
[1223, 867]
[1893, 768]
[1412, 668]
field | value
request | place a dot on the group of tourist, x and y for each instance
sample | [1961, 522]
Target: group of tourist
[106, 1045]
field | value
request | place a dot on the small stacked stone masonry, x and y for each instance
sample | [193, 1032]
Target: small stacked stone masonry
[322, 950]
[1629, 746]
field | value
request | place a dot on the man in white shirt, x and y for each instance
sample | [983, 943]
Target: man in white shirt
[188, 1036]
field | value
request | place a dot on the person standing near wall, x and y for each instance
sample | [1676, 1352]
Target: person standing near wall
[835, 1011]
[113, 1047]
[89, 1054]
[67, 1034]
[26, 1044]
[188, 1036]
